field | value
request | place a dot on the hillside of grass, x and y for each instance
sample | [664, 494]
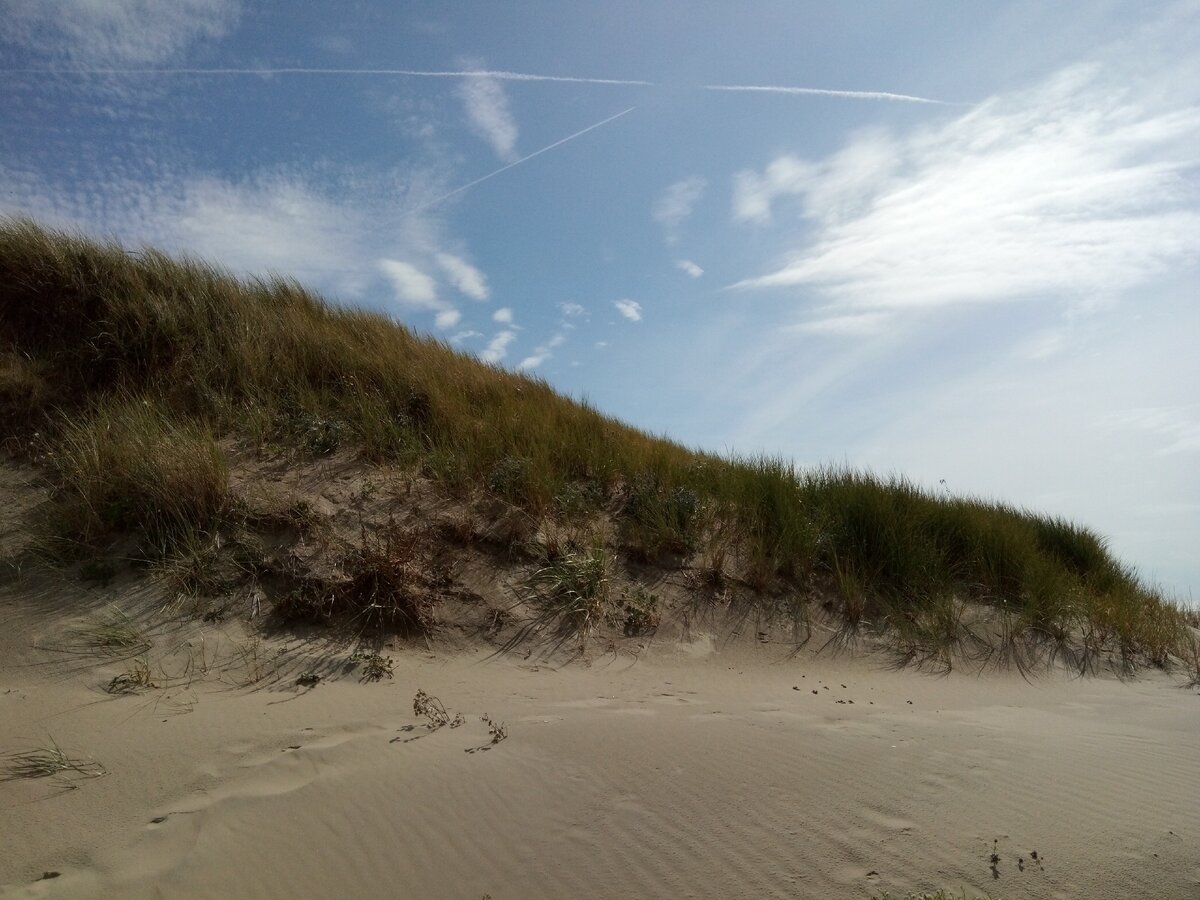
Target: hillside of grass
[127, 375]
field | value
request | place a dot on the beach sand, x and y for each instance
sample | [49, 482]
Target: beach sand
[681, 768]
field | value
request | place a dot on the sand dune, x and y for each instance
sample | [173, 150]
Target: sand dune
[679, 773]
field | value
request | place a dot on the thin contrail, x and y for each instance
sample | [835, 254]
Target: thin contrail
[496, 74]
[821, 92]
[414, 73]
[523, 159]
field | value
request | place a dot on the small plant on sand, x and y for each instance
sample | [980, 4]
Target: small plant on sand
[574, 588]
[196, 569]
[498, 730]
[136, 678]
[1190, 655]
[642, 613]
[253, 661]
[375, 667]
[112, 633]
[431, 708]
[45, 762]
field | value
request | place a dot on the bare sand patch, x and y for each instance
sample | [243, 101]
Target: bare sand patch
[737, 773]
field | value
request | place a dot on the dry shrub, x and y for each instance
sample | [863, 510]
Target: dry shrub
[394, 580]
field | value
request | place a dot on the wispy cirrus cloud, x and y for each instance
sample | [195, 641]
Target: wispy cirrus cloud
[1076, 189]
[853, 325]
[488, 113]
[689, 268]
[630, 309]
[504, 315]
[110, 32]
[1176, 427]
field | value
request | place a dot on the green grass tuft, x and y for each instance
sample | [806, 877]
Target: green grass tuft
[46, 762]
[133, 467]
[573, 588]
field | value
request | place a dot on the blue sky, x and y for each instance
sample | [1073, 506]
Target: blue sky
[956, 240]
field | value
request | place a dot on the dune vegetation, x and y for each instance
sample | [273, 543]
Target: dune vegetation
[125, 374]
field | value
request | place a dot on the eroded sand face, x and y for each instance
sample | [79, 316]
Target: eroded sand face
[682, 773]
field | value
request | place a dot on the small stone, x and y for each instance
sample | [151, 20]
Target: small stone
[158, 820]
[46, 876]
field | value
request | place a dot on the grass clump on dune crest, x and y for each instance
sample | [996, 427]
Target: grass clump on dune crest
[130, 365]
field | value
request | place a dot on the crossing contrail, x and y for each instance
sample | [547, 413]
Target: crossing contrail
[523, 159]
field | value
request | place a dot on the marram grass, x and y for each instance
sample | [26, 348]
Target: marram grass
[122, 369]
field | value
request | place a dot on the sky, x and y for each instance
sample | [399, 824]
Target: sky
[952, 240]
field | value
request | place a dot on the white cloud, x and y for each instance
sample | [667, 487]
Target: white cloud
[115, 32]
[447, 318]
[630, 309]
[754, 193]
[413, 287]
[461, 336]
[464, 276]
[1077, 188]
[573, 310]
[689, 268]
[487, 110]
[497, 348]
[600, 345]
[504, 315]
[676, 203]
[542, 353]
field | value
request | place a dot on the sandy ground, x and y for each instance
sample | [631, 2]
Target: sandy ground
[687, 771]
